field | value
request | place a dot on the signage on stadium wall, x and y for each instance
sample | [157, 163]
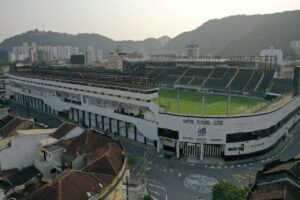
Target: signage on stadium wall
[203, 122]
[199, 130]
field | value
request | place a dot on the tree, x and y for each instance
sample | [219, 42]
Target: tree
[147, 197]
[227, 191]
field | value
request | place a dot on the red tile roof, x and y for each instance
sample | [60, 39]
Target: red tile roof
[280, 190]
[87, 142]
[63, 130]
[72, 184]
[10, 129]
[6, 173]
[105, 159]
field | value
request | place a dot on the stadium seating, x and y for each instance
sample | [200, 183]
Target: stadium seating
[268, 76]
[177, 71]
[217, 78]
[219, 72]
[199, 72]
[197, 81]
[215, 83]
[241, 79]
[281, 86]
[185, 80]
[228, 76]
[256, 76]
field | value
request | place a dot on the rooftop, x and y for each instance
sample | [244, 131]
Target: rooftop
[70, 185]
[97, 78]
[282, 190]
[10, 125]
[292, 166]
[64, 129]
[105, 161]
[37, 131]
[88, 142]
[278, 180]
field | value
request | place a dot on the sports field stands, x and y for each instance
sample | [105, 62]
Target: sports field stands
[215, 83]
[197, 81]
[185, 80]
[268, 76]
[177, 71]
[241, 79]
[199, 72]
[281, 86]
[255, 78]
[228, 76]
[219, 72]
[168, 79]
[157, 72]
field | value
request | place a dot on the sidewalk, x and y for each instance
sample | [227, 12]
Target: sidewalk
[272, 155]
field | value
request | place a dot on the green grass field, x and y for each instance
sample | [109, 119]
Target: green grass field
[190, 103]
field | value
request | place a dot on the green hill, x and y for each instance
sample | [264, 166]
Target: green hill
[242, 35]
[150, 45]
[229, 36]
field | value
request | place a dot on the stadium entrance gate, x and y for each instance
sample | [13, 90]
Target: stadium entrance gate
[209, 150]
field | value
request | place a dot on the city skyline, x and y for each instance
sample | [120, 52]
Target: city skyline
[125, 20]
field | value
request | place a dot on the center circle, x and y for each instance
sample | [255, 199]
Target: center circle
[200, 183]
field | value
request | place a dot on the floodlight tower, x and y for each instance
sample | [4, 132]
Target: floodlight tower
[228, 100]
[202, 102]
[178, 101]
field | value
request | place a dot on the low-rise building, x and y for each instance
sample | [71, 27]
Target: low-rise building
[19, 141]
[278, 180]
[268, 54]
[192, 51]
[89, 166]
[70, 162]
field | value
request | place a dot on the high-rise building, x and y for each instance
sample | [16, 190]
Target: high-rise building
[92, 55]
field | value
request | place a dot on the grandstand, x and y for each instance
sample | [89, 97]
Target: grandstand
[281, 86]
[247, 81]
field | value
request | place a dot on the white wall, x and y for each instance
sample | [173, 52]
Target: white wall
[21, 153]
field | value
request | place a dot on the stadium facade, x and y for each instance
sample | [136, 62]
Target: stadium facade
[124, 105]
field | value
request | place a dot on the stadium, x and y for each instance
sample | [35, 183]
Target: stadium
[229, 108]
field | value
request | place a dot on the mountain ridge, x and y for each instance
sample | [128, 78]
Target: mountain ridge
[236, 35]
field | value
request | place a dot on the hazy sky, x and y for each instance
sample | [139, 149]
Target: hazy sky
[125, 19]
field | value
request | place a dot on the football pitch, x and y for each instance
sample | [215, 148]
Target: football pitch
[191, 103]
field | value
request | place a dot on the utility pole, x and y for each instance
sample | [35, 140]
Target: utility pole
[127, 191]
[146, 75]
[203, 103]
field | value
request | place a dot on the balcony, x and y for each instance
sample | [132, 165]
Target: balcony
[42, 165]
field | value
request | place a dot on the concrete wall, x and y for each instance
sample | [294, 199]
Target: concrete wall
[21, 153]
